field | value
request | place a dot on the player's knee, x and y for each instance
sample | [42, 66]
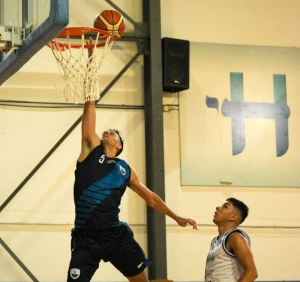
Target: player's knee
[138, 278]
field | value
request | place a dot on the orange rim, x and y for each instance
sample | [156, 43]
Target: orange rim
[73, 31]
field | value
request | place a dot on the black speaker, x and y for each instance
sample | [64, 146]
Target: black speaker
[175, 64]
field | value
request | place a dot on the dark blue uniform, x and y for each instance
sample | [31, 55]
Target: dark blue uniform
[100, 183]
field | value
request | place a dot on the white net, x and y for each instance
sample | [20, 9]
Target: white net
[79, 68]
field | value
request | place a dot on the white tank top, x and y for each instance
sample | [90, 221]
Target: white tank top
[221, 265]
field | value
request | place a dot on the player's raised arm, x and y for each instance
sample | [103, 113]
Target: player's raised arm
[89, 137]
[154, 201]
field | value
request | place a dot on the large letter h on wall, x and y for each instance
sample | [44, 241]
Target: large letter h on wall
[238, 110]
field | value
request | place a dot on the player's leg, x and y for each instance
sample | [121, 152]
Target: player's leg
[139, 278]
[84, 261]
[129, 258]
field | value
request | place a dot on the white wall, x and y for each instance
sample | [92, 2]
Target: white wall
[261, 23]
[247, 22]
[36, 224]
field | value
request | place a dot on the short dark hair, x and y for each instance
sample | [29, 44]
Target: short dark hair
[121, 141]
[240, 206]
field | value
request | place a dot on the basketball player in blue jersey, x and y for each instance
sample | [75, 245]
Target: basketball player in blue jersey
[230, 258]
[100, 182]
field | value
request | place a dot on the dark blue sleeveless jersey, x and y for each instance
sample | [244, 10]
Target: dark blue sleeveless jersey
[100, 183]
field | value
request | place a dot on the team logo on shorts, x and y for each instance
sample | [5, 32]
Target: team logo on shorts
[74, 273]
[140, 265]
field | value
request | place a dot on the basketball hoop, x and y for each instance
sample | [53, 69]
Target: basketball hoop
[80, 70]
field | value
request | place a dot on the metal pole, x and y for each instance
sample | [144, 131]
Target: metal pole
[156, 221]
[18, 261]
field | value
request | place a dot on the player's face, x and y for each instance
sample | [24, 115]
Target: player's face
[224, 212]
[110, 136]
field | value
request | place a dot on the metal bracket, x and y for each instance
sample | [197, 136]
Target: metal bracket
[141, 30]
[9, 39]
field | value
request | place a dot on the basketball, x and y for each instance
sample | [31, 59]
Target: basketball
[112, 21]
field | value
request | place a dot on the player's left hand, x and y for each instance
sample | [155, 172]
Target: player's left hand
[185, 221]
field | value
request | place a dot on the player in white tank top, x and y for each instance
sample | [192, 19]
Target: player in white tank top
[230, 257]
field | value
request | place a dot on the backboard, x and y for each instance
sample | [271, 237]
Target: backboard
[25, 27]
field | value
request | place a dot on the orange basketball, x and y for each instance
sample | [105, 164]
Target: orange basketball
[112, 21]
